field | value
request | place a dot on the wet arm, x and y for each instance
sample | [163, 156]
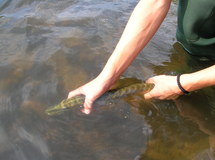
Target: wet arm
[142, 25]
[198, 80]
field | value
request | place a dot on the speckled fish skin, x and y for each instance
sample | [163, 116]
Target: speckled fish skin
[79, 100]
[65, 104]
[134, 88]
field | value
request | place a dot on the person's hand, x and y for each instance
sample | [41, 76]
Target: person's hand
[165, 88]
[92, 90]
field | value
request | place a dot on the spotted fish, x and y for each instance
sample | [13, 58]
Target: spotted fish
[110, 95]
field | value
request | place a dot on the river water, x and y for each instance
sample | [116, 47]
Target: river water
[48, 48]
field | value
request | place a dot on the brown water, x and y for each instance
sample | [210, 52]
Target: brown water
[48, 48]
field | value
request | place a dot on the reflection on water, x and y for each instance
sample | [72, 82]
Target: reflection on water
[51, 47]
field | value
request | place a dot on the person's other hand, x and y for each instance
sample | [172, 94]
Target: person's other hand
[165, 88]
[92, 90]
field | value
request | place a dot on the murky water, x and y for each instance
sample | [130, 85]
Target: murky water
[48, 48]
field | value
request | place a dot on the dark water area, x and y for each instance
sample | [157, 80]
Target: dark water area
[48, 48]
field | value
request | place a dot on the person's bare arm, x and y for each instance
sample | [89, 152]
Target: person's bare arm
[166, 87]
[142, 25]
[200, 79]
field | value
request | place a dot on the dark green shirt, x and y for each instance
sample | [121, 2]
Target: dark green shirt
[196, 27]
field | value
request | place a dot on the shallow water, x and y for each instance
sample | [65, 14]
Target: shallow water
[48, 48]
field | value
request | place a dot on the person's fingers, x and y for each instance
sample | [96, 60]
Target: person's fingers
[73, 93]
[150, 80]
[147, 95]
[87, 106]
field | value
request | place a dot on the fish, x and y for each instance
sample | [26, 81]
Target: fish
[109, 95]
